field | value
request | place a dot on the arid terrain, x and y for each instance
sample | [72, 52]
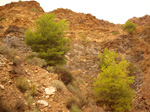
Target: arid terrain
[89, 36]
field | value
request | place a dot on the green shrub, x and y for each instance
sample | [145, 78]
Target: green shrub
[58, 84]
[32, 55]
[29, 99]
[50, 69]
[64, 75]
[33, 89]
[12, 53]
[22, 84]
[71, 101]
[115, 32]
[20, 106]
[82, 100]
[73, 89]
[37, 61]
[112, 85]
[129, 26]
[3, 49]
[48, 39]
[83, 37]
[34, 10]
[75, 108]
[3, 105]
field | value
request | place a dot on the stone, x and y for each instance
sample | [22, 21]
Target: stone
[36, 71]
[47, 96]
[50, 91]
[1, 86]
[29, 81]
[43, 102]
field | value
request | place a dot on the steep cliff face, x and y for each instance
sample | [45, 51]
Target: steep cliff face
[89, 36]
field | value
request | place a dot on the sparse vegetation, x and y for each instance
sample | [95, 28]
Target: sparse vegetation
[3, 49]
[79, 101]
[71, 101]
[15, 56]
[48, 39]
[75, 108]
[37, 61]
[11, 53]
[2, 18]
[33, 89]
[4, 107]
[34, 10]
[80, 98]
[50, 69]
[22, 84]
[112, 85]
[132, 69]
[73, 89]
[129, 26]
[83, 37]
[29, 99]
[115, 32]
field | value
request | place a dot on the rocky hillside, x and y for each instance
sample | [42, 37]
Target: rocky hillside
[15, 18]
[89, 36]
[141, 21]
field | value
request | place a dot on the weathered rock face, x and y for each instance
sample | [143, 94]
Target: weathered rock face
[14, 30]
[141, 20]
[16, 42]
[14, 38]
[18, 14]
[84, 58]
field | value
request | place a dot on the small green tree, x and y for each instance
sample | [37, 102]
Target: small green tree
[112, 85]
[107, 58]
[47, 38]
[129, 26]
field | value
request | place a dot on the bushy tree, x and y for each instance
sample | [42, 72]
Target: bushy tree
[107, 58]
[112, 85]
[129, 26]
[47, 38]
